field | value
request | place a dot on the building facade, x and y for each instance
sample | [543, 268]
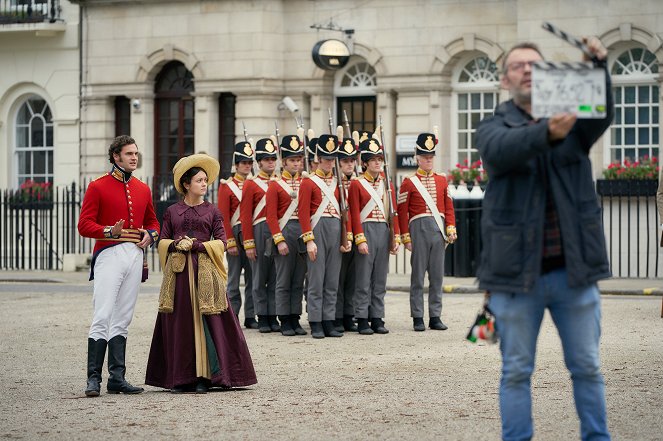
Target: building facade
[187, 76]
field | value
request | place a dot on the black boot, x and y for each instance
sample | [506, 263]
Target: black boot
[363, 327]
[250, 323]
[274, 324]
[96, 352]
[330, 331]
[338, 325]
[263, 324]
[436, 323]
[202, 386]
[349, 324]
[377, 324]
[286, 326]
[418, 323]
[294, 323]
[117, 349]
[316, 330]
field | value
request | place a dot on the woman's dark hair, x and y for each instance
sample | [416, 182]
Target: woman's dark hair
[188, 175]
[117, 144]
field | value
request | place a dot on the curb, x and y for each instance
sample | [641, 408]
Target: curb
[467, 289]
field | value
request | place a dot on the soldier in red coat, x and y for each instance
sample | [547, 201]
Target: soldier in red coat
[230, 195]
[369, 210]
[320, 219]
[283, 223]
[117, 211]
[256, 236]
[427, 221]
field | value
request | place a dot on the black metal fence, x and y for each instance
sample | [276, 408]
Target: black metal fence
[29, 11]
[36, 233]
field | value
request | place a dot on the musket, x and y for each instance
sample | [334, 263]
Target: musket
[300, 133]
[277, 146]
[387, 182]
[246, 139]
[341, 190]
[349, 133]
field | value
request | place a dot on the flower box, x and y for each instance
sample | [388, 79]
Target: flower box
[626, 187]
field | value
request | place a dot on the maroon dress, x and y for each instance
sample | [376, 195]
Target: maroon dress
[172, 360]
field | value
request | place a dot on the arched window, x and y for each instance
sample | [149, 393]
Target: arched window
[355, 94]
[174, 116]
[34, 141]
[475, 94]
[634, 133]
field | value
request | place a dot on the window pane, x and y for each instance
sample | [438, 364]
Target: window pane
[654, 135]
[369, 111]
[629, 115]
[462, 101]
[49, 170]
[476, 101]
[616, 155]
[629, 136]
[488, 101]
[39, 162]
[475, 120]
[643, 115]
[462, 121]
[618, 95]
[24, 115]
[629, 95]
[629, 154]
[22, 136]
[462, 141]
[643, 135]
[616, 136]
[188, 109]
[654, 115]
[643, 94]
[49, 136]
[24, 163]
[618, 115]
[37, 129]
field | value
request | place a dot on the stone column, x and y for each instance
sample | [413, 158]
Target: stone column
[142, 130]
[97, 130]
[207, 123]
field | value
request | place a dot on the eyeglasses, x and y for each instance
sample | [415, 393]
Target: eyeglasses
[518, 66]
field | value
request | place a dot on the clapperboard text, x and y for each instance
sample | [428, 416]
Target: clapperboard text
[577, 88]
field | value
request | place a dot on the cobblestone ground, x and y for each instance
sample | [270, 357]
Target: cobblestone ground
[404, 385]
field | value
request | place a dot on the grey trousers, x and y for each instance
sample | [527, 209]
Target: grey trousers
[346, 285]
[290, 272]
[427, 256]
[323, 274]
[235, 266]
[264, 273]
[372, 269]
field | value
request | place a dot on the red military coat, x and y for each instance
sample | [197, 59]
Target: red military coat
[278, 201]
[228, 204]
[359, 198]
[411, 204]
[252, 194]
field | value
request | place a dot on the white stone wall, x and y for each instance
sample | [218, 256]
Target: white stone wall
[41, 59]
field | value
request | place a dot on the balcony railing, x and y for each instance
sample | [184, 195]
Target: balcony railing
[29, 11]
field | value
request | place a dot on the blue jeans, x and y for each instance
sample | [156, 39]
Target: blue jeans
[576, 313]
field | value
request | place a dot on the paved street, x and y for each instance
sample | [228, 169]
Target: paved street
[404, 385]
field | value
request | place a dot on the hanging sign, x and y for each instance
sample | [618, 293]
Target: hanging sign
[330, 54]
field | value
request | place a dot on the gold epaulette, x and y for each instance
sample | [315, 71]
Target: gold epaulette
[99, 177]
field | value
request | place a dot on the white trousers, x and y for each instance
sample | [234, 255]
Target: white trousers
[117, 274]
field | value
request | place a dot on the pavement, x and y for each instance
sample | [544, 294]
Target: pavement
[395, 282]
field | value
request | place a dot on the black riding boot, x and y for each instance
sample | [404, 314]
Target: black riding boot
[363, 327]
[418, 324]
[349, 324]
[96, 352]
[274, 324]
[286, 326]
[328, 328]
[338, 325]
[294, 322]
[263, 324]
[117, 349]
[316, 330]
[377, 324]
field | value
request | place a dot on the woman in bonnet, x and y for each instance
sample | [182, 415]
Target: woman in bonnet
[197, 341]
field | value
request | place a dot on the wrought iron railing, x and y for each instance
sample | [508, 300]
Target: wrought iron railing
[29, 11]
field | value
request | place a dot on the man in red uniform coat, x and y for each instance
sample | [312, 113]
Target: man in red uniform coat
[427, 221]
[117, 211]
[230, 196]
[256, 235]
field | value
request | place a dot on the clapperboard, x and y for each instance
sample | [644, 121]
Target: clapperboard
[577, 88]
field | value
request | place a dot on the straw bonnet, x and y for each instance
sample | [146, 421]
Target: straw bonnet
[206, 162]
